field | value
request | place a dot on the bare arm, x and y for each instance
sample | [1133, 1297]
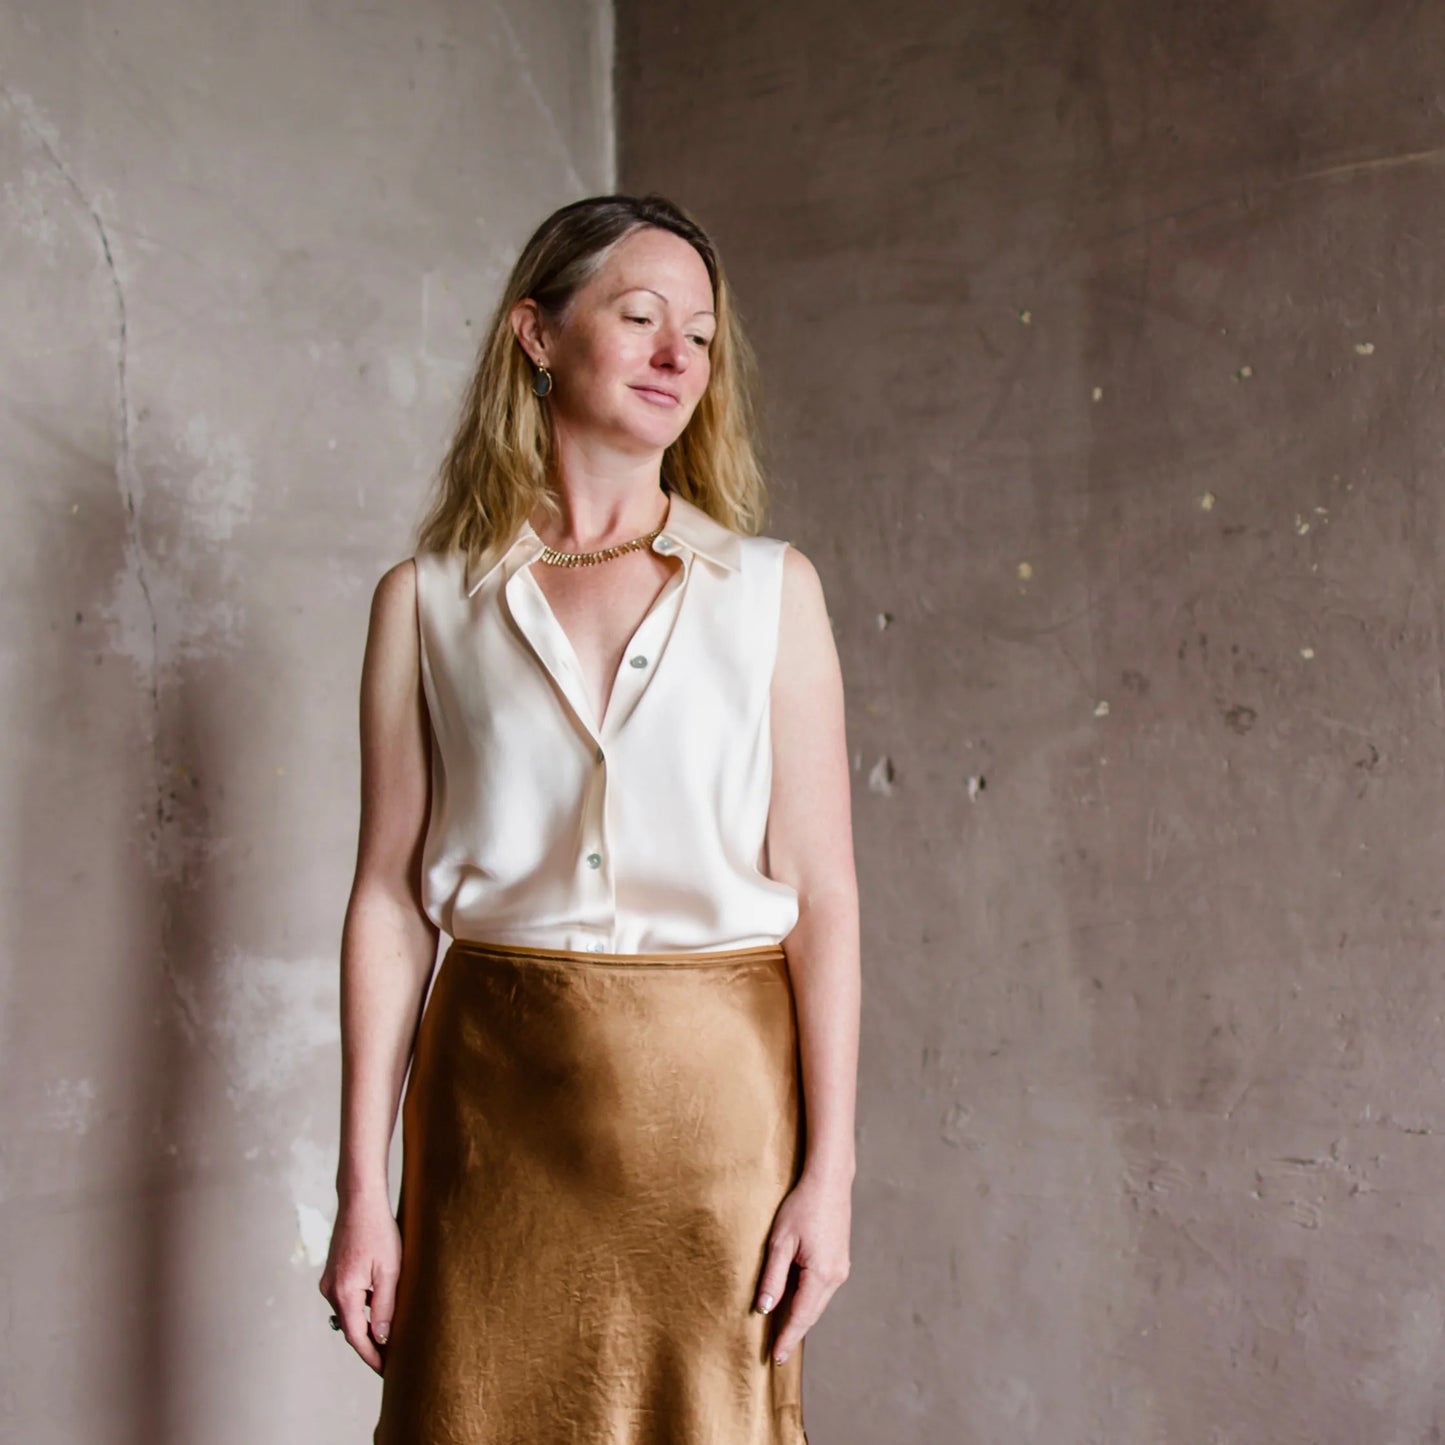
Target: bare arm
[388, 946]
[810, 846]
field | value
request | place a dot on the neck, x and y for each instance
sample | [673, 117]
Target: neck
[601, 497]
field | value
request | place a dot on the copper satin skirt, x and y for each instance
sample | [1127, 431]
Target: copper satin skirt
[594, 1150]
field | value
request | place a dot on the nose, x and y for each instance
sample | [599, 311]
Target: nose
[672, 350]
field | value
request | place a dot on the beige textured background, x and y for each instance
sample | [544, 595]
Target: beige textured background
[245, 252]
[1152, 1102]
[1101, 349]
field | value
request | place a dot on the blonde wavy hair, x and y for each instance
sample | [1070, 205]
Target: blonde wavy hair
[499, 467]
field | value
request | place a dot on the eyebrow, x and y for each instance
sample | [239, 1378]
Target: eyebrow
[626, 289]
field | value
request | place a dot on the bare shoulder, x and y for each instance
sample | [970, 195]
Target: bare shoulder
[804, 608]
[801, 584]
[391, 668]
[396, 591]
[805, 632]
[808, 820]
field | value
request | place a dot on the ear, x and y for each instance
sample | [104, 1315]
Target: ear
[530, 331]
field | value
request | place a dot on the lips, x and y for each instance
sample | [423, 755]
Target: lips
[658, 395]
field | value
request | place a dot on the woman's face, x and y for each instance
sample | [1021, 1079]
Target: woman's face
[630, 360]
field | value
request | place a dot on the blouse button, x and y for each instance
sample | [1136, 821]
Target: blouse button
[598, 948]
[594, 860]
[638, 661]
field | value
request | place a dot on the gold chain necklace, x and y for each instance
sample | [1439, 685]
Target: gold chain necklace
[605, 554]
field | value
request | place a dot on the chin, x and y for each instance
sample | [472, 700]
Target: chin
[649, 446]
[652, 438]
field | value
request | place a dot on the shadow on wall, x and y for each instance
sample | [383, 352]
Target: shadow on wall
[85, 925]
[111, 940]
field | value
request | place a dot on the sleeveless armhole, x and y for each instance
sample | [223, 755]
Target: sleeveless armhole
[772, 613]
[774, 596]
[421, 566]
[424, 564]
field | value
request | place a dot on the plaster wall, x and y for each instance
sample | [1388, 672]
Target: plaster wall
[245, 255]
[1101, 349]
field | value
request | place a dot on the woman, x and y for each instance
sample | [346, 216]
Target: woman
[603, 749]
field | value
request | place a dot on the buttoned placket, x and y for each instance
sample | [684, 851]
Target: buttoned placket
[553, 649]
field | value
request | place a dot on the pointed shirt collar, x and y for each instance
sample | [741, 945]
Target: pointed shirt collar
[688, 528]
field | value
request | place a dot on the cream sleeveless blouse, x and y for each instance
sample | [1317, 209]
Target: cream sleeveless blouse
[644, 834]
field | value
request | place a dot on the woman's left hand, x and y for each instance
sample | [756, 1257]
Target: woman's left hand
[810, 1230]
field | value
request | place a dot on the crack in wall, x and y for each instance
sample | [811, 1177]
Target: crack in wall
[127, 479]
[524, 70]
[125, 472]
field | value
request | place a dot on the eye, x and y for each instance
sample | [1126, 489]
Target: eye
[702, 341]
[644, 320]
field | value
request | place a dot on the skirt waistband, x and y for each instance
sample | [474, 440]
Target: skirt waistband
[765, 953]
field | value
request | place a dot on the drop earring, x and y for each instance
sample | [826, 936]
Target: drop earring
[542, 382]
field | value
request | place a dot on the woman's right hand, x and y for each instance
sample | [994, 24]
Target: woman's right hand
[388, 945]
[361, 1269]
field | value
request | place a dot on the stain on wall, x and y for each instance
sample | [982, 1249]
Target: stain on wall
[245, 257]
[1102, 373]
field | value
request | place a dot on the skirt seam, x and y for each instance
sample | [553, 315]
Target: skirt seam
[720, 959]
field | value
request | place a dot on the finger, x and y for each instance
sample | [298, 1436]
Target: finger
[802, 1314]
[774, 1281]
[351, 1306]
[383, 1302]
[327, 1283]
